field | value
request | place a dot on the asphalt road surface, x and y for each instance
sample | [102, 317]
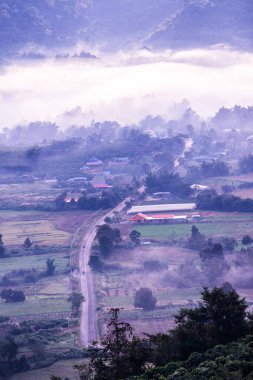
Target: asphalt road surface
[88, 329]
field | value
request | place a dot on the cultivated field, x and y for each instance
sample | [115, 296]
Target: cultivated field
[46, 228]
[27, 194]
[220, 224]
[47, 297]
[117, 288]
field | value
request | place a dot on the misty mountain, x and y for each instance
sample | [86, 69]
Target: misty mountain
[122, 24]
[200, 23]
[32, 25]
[49, 23]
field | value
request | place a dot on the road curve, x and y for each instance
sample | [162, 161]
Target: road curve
[88, 330]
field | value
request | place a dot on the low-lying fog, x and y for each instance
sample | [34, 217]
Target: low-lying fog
[125, 87]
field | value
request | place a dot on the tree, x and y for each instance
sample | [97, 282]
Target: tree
[219, 319]
[108, 220]
[122, 354]
[60, 201]
[95, 263]
[76, 300]
[10, 295]
[144, 298]
[27, 243]
[106, 237]
[135, 237]
[195, 232]
[2, 248]
[8, 349]
[50, 267]
[197, 240]
[32, 154]
[213, 252]
[247, 240]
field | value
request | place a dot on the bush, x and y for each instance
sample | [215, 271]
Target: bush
[10, 295]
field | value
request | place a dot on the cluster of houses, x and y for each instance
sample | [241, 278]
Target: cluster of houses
[99, 171]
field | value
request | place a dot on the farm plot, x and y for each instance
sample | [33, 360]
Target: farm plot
[46, 299]
[36, 305]
[37, 262]
[40, 232]
[47, 228]
[215, 226]
[26, 194]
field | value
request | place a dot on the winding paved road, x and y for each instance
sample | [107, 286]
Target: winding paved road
[88, 330]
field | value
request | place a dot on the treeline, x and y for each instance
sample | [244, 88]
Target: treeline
[210, 200]
[246, 164]
[167, 182]
[215, 168]
[220, 318]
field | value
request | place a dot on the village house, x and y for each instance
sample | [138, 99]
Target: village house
[94, 162]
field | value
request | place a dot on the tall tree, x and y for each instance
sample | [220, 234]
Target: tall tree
[122, 354]
[50, 267]
[27, 243]
[135, 237]
[2, 248]
[76, 300]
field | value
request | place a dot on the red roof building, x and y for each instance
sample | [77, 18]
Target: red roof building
[138, 218]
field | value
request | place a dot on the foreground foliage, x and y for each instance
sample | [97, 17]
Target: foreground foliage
[219, 319]
[233, 361]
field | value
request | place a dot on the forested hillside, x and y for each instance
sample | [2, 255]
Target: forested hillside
[113, 25]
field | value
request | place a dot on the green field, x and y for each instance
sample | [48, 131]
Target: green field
[213, 228]
[36, 305]
[37, 262]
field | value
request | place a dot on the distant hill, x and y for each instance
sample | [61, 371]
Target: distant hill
[206, 22]
[120, 24]
[50, 23]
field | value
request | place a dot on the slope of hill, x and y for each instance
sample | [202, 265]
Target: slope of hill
[205, 22]
[114, 25]
[41, 22]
